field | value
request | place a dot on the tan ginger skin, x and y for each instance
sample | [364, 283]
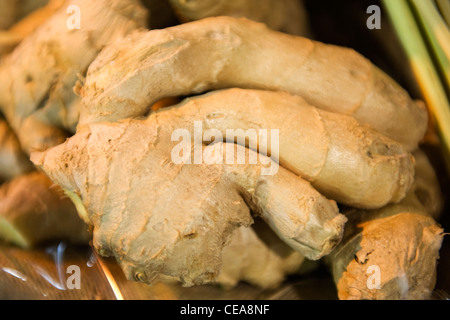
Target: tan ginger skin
[37, 78]
[180, 229]
[92, 166]
[402, 240]
[112, 169]
[224, 52]
[187, 222]
[161, 219]
[345, 161]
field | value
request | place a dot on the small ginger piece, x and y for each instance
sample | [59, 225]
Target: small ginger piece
[283, 15]
[37, 78]
[257, 256]
[13, 161]
[400, 244]
[165, 219]
[33, 211]
[222, 52]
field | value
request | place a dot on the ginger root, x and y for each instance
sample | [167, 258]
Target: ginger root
[345, 161]
[13, 162]
[37, 78]
[165, 219]
[33, 210]
[283, 15]
[222, 52]
[399, 242]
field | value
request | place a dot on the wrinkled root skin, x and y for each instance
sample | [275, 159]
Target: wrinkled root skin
[405, 248]
[225, 52]
[166, 220]
[38, 77]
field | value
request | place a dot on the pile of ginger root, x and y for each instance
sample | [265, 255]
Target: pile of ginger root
[118, 135]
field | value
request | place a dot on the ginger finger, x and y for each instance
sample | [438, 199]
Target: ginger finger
[13, 161]
[304, 219]
[33, 211]
[257, 256]
[345, 161]
[401, 241]
[283, 15]
[37, 78]
[222, 52]
[166, 219]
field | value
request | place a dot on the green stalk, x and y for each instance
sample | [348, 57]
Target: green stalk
[438, 34]
[422, 66]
